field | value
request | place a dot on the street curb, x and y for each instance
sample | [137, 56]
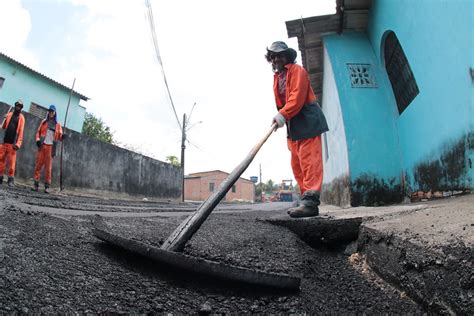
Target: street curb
[322, 230]
[441, 280]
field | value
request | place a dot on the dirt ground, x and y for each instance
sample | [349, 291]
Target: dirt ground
[53, 263]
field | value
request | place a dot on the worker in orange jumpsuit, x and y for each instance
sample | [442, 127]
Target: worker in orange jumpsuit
[13, 124]
[305, 122]
[48, 134]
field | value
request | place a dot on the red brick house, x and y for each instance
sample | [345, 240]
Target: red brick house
[199, 186]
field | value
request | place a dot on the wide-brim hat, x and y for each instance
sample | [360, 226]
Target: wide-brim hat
[278, 47]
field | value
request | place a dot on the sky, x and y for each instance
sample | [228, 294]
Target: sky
[212, 54]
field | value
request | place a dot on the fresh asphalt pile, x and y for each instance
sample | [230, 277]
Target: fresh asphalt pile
[54, 264]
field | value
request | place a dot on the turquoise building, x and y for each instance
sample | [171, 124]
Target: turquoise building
[396, 83]
[18, 81]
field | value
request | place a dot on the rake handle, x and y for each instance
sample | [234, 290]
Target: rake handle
[191, 224]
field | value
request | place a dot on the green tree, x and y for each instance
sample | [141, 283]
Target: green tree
[269, 186]
[94, 127]
[173, 160]
[258, 190]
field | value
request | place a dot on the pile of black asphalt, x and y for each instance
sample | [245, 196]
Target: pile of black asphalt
[54, 264]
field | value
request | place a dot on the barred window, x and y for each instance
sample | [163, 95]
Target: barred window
[399, 72]
[234, 189]
[38, 111]
[211, 187]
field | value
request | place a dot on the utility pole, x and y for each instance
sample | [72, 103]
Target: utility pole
[261, 186]
[183, 147]
[61, 184]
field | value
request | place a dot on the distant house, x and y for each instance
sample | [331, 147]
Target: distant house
[18, 81]
[199, 186]
[396, 83]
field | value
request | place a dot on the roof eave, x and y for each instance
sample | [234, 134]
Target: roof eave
[81, 96]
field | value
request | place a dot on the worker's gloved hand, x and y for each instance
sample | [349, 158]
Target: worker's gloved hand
[38, 143]
[15, 147]
[279, 119]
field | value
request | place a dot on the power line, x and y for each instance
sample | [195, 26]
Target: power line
[189, 116]
[158, 56]
[194, 145]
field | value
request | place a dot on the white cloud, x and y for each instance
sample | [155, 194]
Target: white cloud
[15, 26]
[213, 55]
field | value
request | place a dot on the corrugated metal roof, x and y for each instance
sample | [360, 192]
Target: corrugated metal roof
[83, 97]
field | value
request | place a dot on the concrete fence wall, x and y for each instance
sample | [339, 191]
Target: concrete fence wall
[94, 166]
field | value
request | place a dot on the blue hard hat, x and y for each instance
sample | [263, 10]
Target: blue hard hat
[52, 108]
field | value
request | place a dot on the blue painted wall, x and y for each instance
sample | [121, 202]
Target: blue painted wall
[437, 38]
[20, 83]
[369, 114]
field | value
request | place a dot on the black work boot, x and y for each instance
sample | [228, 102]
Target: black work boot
[35, 186]
[11, 182]
[46, 188]
[308, 206]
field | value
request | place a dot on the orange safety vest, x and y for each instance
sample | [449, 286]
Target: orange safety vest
[298, 91]
[43, 128]
[19, 128]
[304, 117]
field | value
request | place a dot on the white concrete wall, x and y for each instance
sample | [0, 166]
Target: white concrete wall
[335, 158]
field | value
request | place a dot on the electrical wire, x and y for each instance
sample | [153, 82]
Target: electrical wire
[194, 145]
[190, 113]
[158, 56]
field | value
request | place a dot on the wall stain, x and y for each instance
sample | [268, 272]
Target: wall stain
[337, 192]
[450, 173]
[372, 191]
[447, 172]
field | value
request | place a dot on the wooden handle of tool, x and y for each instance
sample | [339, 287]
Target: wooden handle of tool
[190, 225]
[5, 118]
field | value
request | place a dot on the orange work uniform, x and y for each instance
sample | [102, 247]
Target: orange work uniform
[8, 150]
[44, 157]
[305, 123]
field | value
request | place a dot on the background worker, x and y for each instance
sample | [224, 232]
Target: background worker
[13, 124]
[305, 122]
[48, 134]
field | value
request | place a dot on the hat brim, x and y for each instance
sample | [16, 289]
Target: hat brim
[277, 50]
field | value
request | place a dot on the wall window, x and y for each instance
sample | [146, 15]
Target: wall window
[399, 72]
[38, 111]
[211, 186]
[233, 188]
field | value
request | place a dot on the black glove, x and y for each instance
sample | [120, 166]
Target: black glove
[15, 147]
[38, 143]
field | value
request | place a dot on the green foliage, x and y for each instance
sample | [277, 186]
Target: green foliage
[258, 190]
[173, 160]
[268, 188]
[94, 127]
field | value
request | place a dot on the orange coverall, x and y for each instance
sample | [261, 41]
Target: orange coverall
[306, 154]
[44, 157]
[7, 152]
